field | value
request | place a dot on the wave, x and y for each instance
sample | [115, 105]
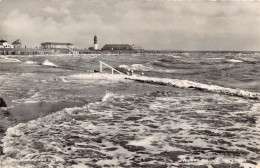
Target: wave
[107, 96]
[31, 62]
[97, 77]
[215, 58]
[248, 59]
[36, 98]
[6, 59]
[101, 78]
[196, 85]
[234, 60]
[48, 63]
[117, 129]
[141, 67]
[136, 67]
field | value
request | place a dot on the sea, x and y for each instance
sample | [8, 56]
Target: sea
[178, 110]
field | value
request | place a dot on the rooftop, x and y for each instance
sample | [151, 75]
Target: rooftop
[55, 43]
[17, 42]
[3, 41]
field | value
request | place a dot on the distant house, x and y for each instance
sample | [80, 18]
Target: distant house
[17, 44]
[4, 44]
[117, 47]
[136, 47]
[120, 47]
[55, 45]
[91, 48]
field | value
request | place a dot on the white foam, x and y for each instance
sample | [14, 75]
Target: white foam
[110, 162]
[6, 59]
[191, 84]
[139, 67]
[107, 96]
[18, 142]
[48, 63]
[234, 60]
[247, 59]
[30, 62]
[216, 58]
[256, 108]
[144, 142]
[136, 67]
[97, 78]
[36, 98]
[124, 66]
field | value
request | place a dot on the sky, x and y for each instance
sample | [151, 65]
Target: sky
[153, 24]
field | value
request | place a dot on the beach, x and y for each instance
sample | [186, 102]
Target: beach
[188, 110]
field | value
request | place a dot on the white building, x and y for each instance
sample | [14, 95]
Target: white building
[17, 44]
[55, 45]
[4, 44]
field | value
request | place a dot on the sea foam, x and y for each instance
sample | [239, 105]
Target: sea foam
[6, 59]
[123, 131]
[48, 63]
[196, 85]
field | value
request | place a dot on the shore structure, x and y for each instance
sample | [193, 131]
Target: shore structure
[95, 43]
[59, 48]
[24, 51]
[56, 45]
[4, 44]
[16, 48]
[121, 47]
[17, 44]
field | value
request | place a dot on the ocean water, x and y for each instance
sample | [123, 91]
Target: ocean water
[187, 110]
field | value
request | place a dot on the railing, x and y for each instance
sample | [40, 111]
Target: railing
[112, 69]
[72, 52]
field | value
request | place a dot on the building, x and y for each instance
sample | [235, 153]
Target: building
[24, 51]
[17, 44]
[95, 43]
[112, 47]
[123, 47]
[136, 47]
[55, 45]
[4, 44]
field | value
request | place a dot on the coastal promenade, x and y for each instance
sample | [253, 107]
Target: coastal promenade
[38, 51]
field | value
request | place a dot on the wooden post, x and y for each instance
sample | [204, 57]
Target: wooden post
[100, 67]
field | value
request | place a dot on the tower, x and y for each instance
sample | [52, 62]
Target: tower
[95, 43]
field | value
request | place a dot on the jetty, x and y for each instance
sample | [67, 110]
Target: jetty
[185, 84]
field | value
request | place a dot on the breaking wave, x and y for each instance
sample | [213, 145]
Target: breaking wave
[234, 61]
[144, 68]
[97, 78]
[136, 67]
[136, 131]
[196, 85]
[48, 63]
[6, 59]
[31, 62]
[107, 96]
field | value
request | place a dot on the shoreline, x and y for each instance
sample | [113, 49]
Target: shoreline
[35, 51]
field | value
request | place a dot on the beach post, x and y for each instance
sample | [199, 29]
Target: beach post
[100, 67]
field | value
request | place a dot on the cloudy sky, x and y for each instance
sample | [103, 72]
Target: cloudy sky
[153, 24]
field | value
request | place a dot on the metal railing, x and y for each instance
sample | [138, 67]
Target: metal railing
[72, 52]
[112, 69]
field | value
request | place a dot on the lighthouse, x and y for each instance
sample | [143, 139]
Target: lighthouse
[95, 43]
